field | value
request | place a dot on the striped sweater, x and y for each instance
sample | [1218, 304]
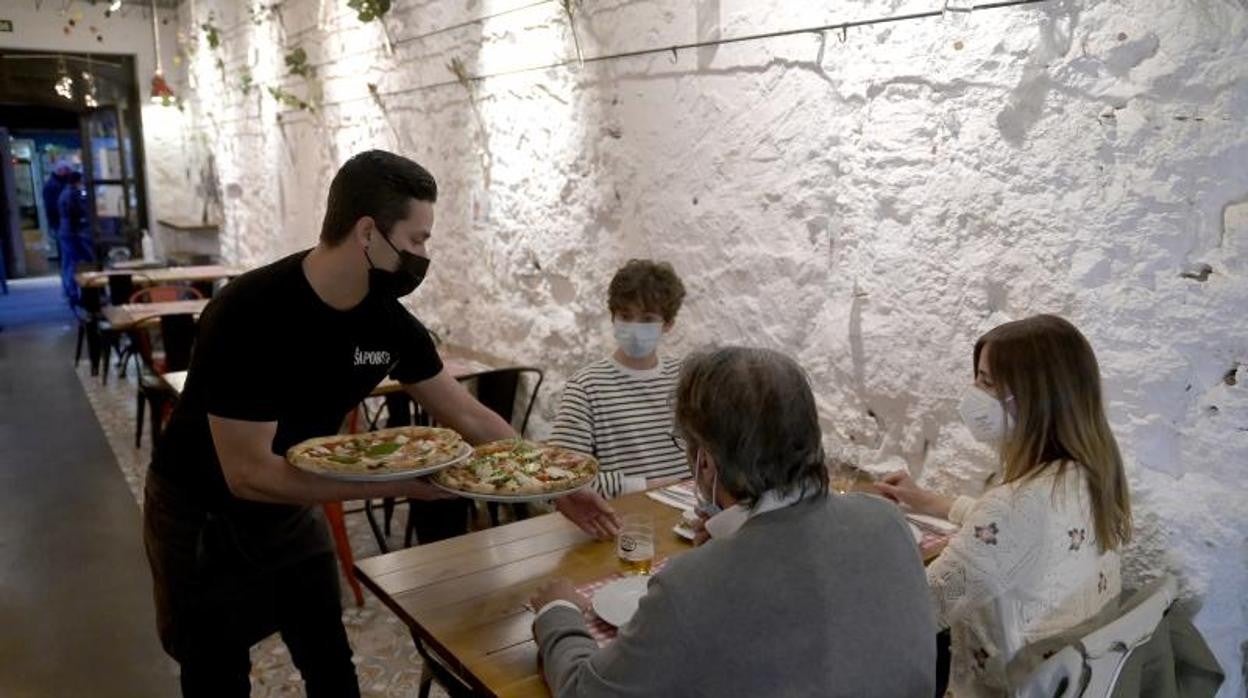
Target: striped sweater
[622, 417]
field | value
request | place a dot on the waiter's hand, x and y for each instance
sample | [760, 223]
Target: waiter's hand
[423, 490]
[588, 510]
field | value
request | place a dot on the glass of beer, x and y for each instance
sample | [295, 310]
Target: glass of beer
[635, 544]
[843, 477]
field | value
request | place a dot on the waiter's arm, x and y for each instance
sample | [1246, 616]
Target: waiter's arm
[451, 405]
[253, 471]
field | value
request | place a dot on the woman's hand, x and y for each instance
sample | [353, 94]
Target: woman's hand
[899, 487]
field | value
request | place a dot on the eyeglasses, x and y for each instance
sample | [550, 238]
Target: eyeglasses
[678, 441]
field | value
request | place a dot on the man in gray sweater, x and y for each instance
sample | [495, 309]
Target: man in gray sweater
[798, 593]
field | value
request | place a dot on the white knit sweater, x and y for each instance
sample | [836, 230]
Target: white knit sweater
[1025, 565]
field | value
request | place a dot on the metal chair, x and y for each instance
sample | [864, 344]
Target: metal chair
[166, 294]
[1086, 661]
[175, 335]
[152, 294]
[89, 326]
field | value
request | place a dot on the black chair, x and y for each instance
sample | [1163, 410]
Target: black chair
[164, 345]
[120, 288]
[90, 301]
[496, 389]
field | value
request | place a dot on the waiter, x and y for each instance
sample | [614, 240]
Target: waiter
[282, 355]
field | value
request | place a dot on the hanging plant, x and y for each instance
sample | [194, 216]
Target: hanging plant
[285, 98]
[211, 33]
[297, 63]
[368, 10]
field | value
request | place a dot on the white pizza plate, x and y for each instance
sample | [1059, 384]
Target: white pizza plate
[916, 532]
[616, 602]
[465, 452]
[509, 498]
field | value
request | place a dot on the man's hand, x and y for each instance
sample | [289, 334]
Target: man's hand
[589, 511]
[700, 534]
[558, 590]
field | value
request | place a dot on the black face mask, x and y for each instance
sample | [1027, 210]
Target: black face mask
[403, 280]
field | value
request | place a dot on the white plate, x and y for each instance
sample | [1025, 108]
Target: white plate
[616, 602]
[465, 451]
[509, 498]
[916, 532]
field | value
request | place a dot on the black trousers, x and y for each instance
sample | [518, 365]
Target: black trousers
[208, 623]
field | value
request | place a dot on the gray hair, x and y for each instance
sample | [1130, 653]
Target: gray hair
[753, 410]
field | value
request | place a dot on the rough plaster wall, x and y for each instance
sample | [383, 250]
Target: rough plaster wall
[870, 206]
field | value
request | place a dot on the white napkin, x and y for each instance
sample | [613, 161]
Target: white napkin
[932, 523]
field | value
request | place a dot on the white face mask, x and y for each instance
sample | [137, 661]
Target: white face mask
[984, 415]
[706, 503]
[638, 339]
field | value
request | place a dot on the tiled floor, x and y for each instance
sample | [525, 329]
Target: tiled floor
[386, 661]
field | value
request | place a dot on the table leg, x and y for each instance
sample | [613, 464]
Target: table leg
[436, 670]
[333, 513]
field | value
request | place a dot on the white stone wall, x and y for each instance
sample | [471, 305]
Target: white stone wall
[869, 203]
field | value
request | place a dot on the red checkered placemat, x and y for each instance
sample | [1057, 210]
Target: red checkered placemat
[602, 631]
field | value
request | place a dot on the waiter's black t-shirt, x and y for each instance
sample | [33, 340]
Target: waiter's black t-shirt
[268, 349]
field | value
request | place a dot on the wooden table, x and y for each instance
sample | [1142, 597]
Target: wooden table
[161, 275]
[464, 598]
[122, 318]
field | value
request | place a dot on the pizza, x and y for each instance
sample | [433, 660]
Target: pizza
[519, 468]
[383, 452]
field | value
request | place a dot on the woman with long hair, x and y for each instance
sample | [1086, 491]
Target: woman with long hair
[1037, 554]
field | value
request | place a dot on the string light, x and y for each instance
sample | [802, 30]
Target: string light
[114, 6]
[88, 92]
[64, 83]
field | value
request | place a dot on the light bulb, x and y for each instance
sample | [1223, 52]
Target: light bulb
[65, 87]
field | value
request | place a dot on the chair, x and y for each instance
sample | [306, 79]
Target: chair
[89, 320]
[166, 294]
[1086, 661]
[154, 294]
[496, 389]
[164, 344]
[120, 288]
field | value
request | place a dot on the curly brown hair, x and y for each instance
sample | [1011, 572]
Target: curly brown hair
[650, 286]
